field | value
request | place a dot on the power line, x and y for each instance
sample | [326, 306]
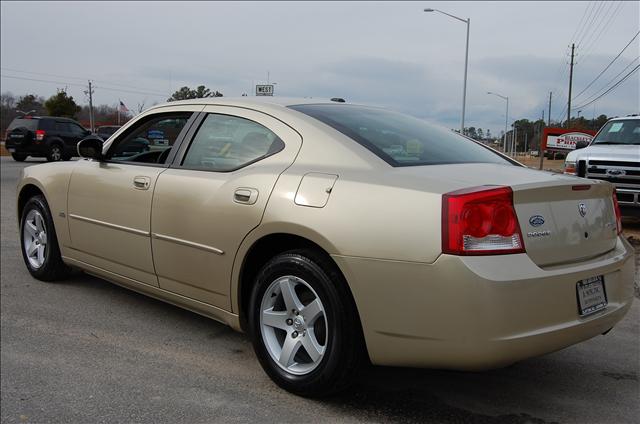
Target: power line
[604, 29]
[591, 6]
[84, 86]
[608, 66]
[589, 26]
[581, 20]
[605, 86]
[612, 87]
[597, 24]
[41, 80]
[78, 78]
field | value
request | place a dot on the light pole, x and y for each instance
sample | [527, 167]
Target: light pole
[466, 62]
[506, 119]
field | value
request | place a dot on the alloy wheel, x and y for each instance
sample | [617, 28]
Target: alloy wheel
[34, 238]
[293, 324]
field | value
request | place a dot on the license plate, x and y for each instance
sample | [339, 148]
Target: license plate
[11, 150]
[592, 296]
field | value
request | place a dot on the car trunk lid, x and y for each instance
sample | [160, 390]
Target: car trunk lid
[562, 218]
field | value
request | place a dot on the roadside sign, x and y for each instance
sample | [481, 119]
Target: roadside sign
[561, 139]
[264, 90]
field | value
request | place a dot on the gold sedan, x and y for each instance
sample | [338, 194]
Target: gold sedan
[335, 235]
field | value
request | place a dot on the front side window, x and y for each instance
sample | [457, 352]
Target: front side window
[625, 131]
[224, 143]
[76, 130]
[149, 141]
[398, 139]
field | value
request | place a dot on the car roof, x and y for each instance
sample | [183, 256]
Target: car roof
[57, 118]
[625, 118]
[250, 101]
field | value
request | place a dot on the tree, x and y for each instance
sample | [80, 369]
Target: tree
[185, 93]
[480, 134]
[7, 111]
[61, 104]
[31, 102]
[488, 134]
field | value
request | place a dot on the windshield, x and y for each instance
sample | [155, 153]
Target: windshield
[400, 140]
[619, 132]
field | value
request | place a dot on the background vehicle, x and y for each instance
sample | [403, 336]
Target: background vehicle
[613, 156]
[44, 136]
[335, 234]
[106, 131]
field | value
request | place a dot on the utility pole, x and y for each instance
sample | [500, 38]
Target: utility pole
[90, 94]
[549, 120]
[573, 46]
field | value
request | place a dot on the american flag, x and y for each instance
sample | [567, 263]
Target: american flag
[123, 108]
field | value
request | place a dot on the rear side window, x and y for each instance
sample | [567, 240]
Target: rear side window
[224, 143]
[63, 127]
[400, 140]
[30, 124]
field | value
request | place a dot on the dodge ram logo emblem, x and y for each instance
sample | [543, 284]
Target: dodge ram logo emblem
[582, 208]
[616, 172]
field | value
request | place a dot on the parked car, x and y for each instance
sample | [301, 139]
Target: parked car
[613, 156]
[44, 136]
[334, 235]
[106, 131]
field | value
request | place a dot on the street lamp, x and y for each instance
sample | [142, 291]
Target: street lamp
[466, 62]
[506, 119]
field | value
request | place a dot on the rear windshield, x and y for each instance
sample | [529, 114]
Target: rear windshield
[30, 124]
[400, 140]
[619, 132]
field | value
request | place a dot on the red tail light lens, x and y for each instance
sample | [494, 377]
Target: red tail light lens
[616, 208]
[40, 135]
[480, 221]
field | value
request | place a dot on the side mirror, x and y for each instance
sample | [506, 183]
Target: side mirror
[87, 133]
[581, 144]
[90, 148]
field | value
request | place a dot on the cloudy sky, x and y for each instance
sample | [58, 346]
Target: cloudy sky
[385, 53]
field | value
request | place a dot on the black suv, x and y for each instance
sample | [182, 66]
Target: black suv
[44, 136]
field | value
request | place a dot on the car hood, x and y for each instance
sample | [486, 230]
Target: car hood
[616, 152]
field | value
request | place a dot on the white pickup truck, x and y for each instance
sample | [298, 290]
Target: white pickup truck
[614, 156]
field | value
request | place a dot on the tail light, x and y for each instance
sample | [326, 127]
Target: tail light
[40, 135]
[480, 221]
[616, 208]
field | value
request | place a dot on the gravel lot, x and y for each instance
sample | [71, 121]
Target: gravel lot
[85, 351]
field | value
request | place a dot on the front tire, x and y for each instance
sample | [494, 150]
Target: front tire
[39, 243]
[18, 157]
[304, 327]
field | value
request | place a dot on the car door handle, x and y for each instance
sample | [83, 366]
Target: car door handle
[244, 195]
[141, 183]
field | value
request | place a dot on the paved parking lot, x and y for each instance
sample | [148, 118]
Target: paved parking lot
[84, 351]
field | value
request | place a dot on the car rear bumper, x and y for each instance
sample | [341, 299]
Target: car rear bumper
[27, 149]
[478, 312]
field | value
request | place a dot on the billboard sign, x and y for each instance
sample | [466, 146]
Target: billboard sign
[563, 139]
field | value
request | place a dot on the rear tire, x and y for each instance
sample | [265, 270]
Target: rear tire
[18, 157]
[39, 243]
[310, 344]
[56, 153]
